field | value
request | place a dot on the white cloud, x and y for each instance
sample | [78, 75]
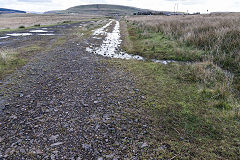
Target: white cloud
[167, 5]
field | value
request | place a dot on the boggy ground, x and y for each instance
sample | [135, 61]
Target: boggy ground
[69, 104]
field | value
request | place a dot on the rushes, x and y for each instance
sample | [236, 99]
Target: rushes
[7, 56]
[218, 35]
[9, 61]
[211, 41]
[215, 84]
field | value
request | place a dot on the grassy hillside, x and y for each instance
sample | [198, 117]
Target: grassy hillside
[103, 9]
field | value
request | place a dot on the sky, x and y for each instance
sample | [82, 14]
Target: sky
[159, 5]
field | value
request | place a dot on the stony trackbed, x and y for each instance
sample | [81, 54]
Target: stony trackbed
[69, 104]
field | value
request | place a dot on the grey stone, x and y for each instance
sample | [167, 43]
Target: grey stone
[144, 145]
[56, 144]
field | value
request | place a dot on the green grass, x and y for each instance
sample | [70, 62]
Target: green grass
[60, 41]
[194, 106]
[30, 50]
[9, 61]
[146, 42]
[198, 120]
[215, 36]
[155, 45]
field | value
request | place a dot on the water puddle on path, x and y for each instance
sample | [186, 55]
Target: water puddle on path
[19, 34]
[101, 31]
[4, 37]
[46, 34]
[111, 45]
[163, 61]
[38, 31]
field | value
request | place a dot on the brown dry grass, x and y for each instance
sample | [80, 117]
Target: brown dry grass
[217, 34]
[14, 21]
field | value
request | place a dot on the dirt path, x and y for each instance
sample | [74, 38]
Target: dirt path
[69, 104]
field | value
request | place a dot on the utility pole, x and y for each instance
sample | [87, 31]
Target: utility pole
[175, 8]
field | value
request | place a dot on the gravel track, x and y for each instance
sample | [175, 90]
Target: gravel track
[69, 104]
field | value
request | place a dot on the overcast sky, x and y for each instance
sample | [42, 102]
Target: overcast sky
[161, 5]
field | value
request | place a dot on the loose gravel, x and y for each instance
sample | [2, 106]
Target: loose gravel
[69, 104]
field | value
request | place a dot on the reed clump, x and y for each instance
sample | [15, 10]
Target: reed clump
[217, 34]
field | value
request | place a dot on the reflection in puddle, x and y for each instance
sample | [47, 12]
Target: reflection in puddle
[110, 45]
[89, 49]
[19, 34]
[101, 31]
[4, 37]
[46, 34]
[163, 61]
[97, 37]
[38, 31]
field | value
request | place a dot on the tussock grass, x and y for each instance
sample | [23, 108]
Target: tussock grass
[195, 117]
[194, 105]
[217, 34]
[190, 38]
[9, 61]
[154, 45]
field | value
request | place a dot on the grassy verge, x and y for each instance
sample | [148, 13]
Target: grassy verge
[9, 61]
[155, 45]
[216, 34]
[147, 42]
[195, 117]
[193, 106]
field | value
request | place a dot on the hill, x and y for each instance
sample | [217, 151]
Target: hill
[102, 9]
[5, 11]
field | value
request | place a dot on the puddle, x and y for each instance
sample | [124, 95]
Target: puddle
[101, 31]
[46, 34]
[111, 44]
[38, 31]
[19, 34]
[4, 37]
[97, 37]
[89, 49]
[163, 61]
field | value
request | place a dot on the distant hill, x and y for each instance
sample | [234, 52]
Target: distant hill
[53, 12]
[102, 9]
[5, 11]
